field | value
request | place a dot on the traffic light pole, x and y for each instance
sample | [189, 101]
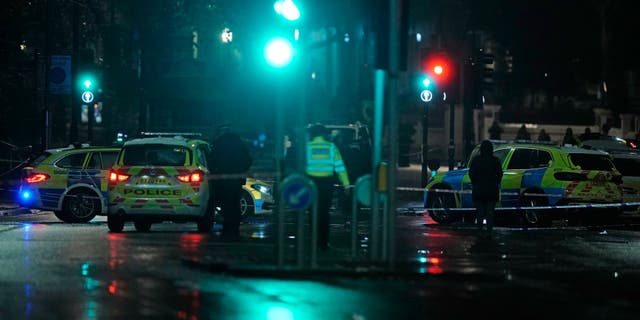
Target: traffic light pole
[452, 147]
[425, 145]
[91, 113]
[76, 105]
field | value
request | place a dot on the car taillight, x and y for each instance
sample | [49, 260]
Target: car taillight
[37, 177]
[195, 176]
[117, 177]
[570, 176]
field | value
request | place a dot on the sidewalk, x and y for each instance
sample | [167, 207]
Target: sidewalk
[9, 209]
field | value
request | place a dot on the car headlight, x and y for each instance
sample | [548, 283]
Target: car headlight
[261, 188]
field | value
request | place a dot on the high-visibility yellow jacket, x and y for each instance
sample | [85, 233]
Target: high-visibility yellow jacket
[323, 159]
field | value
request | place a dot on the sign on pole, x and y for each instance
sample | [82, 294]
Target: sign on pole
[426, 95]
[60, 74]
[297, 192]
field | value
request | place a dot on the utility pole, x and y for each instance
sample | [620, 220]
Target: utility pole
[75, 93]
[46, 122]
[425, 145]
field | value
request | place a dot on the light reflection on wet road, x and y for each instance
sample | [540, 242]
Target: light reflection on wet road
[52, 270]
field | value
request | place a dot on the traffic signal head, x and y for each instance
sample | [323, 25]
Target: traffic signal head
[439, 68]
[288, 9]
[278, 52]
[87, 81]
[426, 82]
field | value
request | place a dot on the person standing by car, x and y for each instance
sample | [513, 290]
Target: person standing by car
[229, 161]
[569, 139]
[543, 136]
[324, 161]
[523, 134]
[485, 172]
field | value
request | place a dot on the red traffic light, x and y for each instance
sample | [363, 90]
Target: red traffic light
[439, 67]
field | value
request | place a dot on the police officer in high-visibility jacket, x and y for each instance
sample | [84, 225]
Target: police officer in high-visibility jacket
[324, 161]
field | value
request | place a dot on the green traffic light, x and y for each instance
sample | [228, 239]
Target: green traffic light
[87, 81]
[426, 82]
[278, 52]
[287, 9]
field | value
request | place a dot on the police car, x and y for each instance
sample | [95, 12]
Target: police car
[160, 177]
[626, 158]
[72, 182]
[534, 175]
[256, 196]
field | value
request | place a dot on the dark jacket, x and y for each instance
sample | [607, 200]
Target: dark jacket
[229, 155]
[485, 172]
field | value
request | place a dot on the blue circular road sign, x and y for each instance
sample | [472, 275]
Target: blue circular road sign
[87, 97]
[297, 192]
[426, 95]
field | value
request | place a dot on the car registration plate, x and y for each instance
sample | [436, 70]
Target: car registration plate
[152, 181]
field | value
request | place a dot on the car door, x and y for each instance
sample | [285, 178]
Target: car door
[98, 166]
[519, 162]
[72, 166]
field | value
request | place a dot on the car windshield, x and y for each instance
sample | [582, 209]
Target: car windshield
[628, 167]
[613, 144]
[155, 155]
[591, 161]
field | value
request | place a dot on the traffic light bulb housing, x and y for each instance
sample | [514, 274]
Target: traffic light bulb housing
[439, 68]
[426, 82]
[278, 52]
[287, 9]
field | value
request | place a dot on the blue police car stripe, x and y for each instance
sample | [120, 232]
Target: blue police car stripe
[50, 197]
[532, 177]
[88, 176]
[454, 178]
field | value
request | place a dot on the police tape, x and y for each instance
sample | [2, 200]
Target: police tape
[528, 194]
[571, 206]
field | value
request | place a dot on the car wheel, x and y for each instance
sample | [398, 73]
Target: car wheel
[247, 204]
[62, 215]
[535, 217]
[442, 201]
[81, 206]
[116, 224]
[142, 226]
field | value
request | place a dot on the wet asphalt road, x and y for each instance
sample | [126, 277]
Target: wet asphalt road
[52, 270]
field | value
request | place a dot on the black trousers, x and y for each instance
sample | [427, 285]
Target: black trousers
[325, 196]
[226, 194]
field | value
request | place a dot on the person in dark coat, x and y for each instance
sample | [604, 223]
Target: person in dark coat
[495, 131]
[569, 138]
[229, 162]
[523, 134]
[544, 136]
[485, 172]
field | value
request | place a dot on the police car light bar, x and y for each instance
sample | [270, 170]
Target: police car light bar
[170, 134]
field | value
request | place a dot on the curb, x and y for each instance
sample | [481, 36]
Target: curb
[10, 211]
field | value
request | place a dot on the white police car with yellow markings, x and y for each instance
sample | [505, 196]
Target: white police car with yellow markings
[160, 177]
[72, 182]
